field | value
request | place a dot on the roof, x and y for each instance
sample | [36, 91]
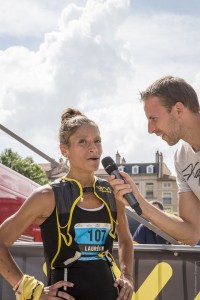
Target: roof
[142, 167]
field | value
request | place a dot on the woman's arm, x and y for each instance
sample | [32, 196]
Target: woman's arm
[36, 208]
[33, 209]
[125, 253]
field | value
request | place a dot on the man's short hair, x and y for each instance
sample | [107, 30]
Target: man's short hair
[159, 204]
[171, 90]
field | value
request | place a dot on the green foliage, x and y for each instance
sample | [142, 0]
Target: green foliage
[172, 212]
[24, 166]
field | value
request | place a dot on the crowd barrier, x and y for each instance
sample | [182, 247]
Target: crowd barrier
[162, 272]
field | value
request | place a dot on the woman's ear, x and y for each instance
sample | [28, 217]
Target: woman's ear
[64, 150]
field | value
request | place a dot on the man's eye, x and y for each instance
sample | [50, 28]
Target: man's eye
[98, 141]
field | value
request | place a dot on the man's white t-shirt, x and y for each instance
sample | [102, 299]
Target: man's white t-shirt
[187, 164]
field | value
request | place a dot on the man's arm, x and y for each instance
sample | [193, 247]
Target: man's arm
[185, 227]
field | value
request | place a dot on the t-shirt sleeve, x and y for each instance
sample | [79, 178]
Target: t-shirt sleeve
[180, 180]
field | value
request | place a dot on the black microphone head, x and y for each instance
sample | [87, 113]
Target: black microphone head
[109, 164]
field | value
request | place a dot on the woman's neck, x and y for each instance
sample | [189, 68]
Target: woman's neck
[85, 180]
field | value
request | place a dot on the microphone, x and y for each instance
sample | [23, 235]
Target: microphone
[112, 169]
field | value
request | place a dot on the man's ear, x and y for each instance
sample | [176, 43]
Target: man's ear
[179, 108]
[64, 150]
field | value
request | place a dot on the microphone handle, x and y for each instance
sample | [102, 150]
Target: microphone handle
[133, 203]
[129, 196]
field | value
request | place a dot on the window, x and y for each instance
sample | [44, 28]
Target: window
[135, 170]
[121, 168]
[149, 190]
[149, 169]
[167, 198]
[167, 185]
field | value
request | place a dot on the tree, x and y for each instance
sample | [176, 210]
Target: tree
[24, 166]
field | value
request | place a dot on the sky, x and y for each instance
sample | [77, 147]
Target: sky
[97, 56]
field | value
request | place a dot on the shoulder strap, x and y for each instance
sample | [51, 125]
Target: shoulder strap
[65, 194]
[105, 191]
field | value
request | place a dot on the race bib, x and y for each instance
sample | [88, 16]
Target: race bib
[91, 238]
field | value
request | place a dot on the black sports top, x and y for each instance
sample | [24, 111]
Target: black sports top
[73, 234]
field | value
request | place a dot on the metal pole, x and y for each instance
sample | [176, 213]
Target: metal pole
[54, 163]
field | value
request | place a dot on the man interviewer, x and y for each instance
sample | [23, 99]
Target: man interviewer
[172, 109]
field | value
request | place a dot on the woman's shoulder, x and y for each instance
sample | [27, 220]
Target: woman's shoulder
[43, 191]
[43, 196]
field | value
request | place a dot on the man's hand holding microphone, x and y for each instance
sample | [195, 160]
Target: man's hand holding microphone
[121, 182]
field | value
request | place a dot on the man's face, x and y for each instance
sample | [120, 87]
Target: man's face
[162, 122]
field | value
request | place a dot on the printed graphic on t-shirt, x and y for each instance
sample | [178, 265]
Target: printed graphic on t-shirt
[91, 239]
[192, 171]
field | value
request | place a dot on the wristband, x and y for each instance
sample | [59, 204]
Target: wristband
[29, 288]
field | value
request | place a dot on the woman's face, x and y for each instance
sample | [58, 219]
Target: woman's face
[84, 149]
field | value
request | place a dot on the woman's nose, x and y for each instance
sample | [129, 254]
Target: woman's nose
[91, 146]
